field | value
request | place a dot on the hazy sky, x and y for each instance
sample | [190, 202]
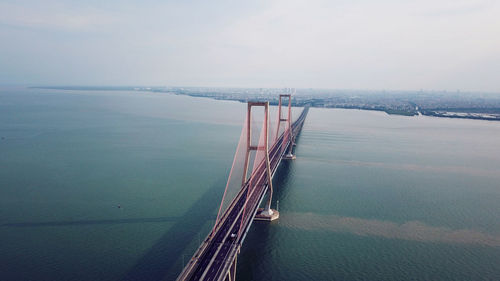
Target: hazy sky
[346, 44]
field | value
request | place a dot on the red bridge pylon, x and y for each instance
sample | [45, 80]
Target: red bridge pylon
[288, 129]
[263, 146]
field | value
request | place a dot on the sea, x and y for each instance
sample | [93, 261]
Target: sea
[123, 185]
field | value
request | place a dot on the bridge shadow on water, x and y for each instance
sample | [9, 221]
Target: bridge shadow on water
[281, 178]
[159, 261]
[90, 222]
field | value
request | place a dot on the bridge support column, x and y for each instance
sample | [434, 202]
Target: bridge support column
[289, 155]
[264, 146]
[267, 212]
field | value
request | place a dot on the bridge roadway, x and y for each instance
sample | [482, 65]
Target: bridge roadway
[218, 251]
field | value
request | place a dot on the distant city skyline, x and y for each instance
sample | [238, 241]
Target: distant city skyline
[387, 44]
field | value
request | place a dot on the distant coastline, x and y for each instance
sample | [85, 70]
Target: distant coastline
[477, 106]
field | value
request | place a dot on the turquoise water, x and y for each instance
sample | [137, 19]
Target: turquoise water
[110, 185]
[379, 197]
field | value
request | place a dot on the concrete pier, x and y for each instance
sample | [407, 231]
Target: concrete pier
[262, 215]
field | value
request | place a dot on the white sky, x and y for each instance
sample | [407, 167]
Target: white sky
[356, 44]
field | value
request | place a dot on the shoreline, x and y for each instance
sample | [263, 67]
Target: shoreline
[313, 102]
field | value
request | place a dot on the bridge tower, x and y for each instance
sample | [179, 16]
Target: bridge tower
[267, 213]
[289, 155]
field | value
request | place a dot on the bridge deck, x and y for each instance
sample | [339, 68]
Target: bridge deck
[215, 255]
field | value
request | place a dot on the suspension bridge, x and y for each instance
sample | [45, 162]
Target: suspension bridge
[216, 257]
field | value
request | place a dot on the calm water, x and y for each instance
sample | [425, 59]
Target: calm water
[122, 185]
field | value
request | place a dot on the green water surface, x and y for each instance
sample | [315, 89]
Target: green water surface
[114, 185]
